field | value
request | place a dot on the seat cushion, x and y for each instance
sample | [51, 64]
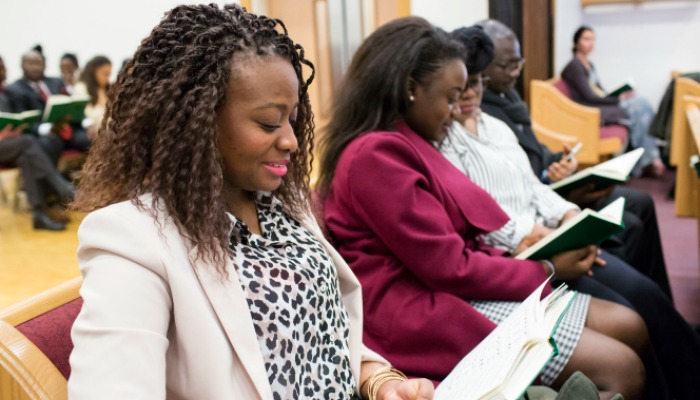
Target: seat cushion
[563, 87]
[614, 131]
[50, 332]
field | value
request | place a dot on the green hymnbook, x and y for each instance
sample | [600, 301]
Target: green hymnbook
[509, 359]
[586, 228]
[60, 108]
[23, 118]
[608, 173]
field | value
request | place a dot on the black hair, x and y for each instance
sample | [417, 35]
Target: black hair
[374, 94]
[72, 57]
[39, 49]
[577, 35]
[88, 76]
[480, 48]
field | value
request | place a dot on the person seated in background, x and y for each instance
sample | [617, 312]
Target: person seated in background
[31, 93]
[487, 151]
[242, 298]
[3, 77]
[40, 178]
[639, 243]
[70, 70]
[94, 81]
[407, 222]
[627, 109]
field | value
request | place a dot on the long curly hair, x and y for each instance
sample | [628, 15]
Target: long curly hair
[88, 76]
[373, 94]
[159, 134]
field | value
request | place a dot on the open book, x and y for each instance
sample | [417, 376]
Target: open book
[603, 175]
[586, 228]
[506, 362]
[60, 108]
[27, 117]
[628, 85]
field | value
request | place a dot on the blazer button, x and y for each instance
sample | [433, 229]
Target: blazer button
[289, 250]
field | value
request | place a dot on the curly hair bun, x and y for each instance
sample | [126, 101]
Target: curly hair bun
[480, 48]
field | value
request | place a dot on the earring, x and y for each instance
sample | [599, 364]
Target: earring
[411, 98]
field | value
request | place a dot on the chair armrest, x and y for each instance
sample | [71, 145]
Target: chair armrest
[25, 370]
[556, 112]
[553, 140]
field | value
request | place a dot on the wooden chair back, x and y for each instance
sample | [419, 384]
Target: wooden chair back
[552, 111]
[35, 344]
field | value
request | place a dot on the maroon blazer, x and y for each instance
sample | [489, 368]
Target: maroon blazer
[406, 221]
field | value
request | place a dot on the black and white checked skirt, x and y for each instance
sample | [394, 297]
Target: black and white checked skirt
[566, 335]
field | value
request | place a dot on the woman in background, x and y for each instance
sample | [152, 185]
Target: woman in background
[628, 109]
[70, 70]
[205, 275]
[94, 82]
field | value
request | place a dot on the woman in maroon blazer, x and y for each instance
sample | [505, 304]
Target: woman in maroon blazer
[407, 222]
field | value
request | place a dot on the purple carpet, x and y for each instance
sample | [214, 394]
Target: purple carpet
[679, 237]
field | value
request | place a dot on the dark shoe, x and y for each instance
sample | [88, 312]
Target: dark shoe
[42, 221]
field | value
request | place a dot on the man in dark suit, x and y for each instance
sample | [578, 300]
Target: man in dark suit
[30, 93]
[639, 244]
[40, 177]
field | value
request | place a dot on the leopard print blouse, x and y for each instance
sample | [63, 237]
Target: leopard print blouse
[292, 291]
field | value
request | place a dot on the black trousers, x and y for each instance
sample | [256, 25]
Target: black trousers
[26, 153]
[53, 145]
[639, 244]
[675, 355]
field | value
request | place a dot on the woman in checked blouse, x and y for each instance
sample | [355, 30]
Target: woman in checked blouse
[205, 275]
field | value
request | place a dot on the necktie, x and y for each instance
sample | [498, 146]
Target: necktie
[43, 93]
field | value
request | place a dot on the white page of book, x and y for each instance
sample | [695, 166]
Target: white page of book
[491, 360]
[622, 164]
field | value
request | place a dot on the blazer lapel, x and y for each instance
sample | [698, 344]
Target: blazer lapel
[475, 204]
[229, 303]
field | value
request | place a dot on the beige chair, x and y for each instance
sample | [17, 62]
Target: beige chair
[35, 344]
[682, 146]
[557, 120]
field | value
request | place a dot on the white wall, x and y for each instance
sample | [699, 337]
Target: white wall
[451, 14]
[84, 27]
[643, 41]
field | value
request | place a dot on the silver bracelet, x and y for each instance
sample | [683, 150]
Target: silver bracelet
[550, 265]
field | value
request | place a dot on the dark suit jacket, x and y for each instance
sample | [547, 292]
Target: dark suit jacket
[23, 97]
[406, 221]
[539, 155]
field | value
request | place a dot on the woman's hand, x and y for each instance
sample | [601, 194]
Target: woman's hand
[537, 233]
[574, 263]
[568, 215]
[9, 132]
[412, 389]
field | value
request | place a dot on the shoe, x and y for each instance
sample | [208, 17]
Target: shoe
[42, 221]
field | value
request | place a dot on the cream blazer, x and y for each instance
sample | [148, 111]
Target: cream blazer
[159, 323]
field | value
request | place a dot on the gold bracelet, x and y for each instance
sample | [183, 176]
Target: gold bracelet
[381, 376]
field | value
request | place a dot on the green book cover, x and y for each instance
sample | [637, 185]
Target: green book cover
[65, 108]
[26, 117]
[626, 86]
[603, 175]
[695, 163]
[587, 228]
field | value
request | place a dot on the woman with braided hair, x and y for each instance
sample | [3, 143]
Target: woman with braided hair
[204, 274]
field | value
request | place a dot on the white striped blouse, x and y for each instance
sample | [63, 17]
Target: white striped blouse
[495, 161]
